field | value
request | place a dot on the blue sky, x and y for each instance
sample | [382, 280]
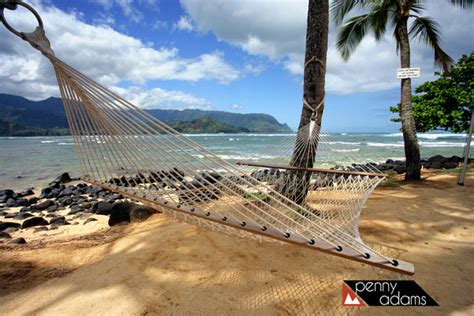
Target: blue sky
[240, 56]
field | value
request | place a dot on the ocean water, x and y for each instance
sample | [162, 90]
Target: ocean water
[34, 161]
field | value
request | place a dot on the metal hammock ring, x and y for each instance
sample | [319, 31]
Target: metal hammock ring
[12, 5]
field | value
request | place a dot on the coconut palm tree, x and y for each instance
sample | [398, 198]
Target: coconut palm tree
[313, 97]
[396, 14]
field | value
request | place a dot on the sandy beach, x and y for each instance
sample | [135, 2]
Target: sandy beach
[166, 267]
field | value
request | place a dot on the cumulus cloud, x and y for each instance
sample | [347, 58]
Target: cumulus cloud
[163, 99]
[127, 7]
[98, 51]
[236, 106]
[184, 24]
[276, 29]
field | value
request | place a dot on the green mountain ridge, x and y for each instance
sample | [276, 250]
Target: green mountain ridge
[22, 117]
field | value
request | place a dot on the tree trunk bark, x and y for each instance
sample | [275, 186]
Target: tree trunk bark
[313, 93]
[412, 150]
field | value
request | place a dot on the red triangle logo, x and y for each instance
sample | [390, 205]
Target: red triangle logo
[349, 298]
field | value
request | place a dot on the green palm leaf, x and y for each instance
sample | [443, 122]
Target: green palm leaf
[340, 8]
[427, 31]
[351, 34]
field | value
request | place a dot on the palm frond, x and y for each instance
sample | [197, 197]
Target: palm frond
[340, 8]
[465, 4]
[396, 25]
[351, 34]
[427, 31]
[378, 22]
[417, 7]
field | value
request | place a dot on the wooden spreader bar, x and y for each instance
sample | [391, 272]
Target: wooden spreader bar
[371, 258]
[319, 170]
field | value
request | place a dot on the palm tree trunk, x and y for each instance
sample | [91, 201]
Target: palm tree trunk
[313, 93]
[412, 149]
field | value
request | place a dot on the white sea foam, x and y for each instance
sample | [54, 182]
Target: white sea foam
[345, 150]
[398, 144]
[248, 157]
[242, 135]
[341, 143]
[430, 135]
[47, 141]
[441, 144]
[65, 144]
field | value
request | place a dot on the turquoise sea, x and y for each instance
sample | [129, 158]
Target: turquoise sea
[34, 161]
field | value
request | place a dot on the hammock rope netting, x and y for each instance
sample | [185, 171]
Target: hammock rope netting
[122, 148]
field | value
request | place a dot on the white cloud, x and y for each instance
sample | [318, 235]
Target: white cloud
[236, 106]
[98, 51]
[159, 24]
[184, 24]
[128, 8]
[104, 19]
[163, 99]
[276, 29]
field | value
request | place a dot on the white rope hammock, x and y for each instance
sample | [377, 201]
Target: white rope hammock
[123, 149]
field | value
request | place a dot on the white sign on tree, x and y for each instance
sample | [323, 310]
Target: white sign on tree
[404, 73]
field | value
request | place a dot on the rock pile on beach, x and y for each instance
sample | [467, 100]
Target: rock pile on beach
[399, 166]
[59, 204]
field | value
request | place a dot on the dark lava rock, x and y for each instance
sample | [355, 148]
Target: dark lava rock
[90, 219]
[438, 158]
[436, 165]
[52, 208]
[10, 230]
[27, 192]
[65, 201]
[11, 202]
[11, 215]
[54, 193]
[450, 165]
[140, 213]
[44, 205]
[400, 169]
[45, 192]
[22, 202]
[114, 197]
[34, 221]
[24, 209]
[455, 159]
[61, 220]
[5, 235]
[18, 241]
[23, 215]
[40, 229]
[75, 209]
[33, 200]
[5, 225]
[67, 191]
[64, 178]
[7, 192]
[120, 213]
[94, 191]
[103, 208]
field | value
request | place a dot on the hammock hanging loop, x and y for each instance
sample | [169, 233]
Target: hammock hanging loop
[37, 38]
[12, 5]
